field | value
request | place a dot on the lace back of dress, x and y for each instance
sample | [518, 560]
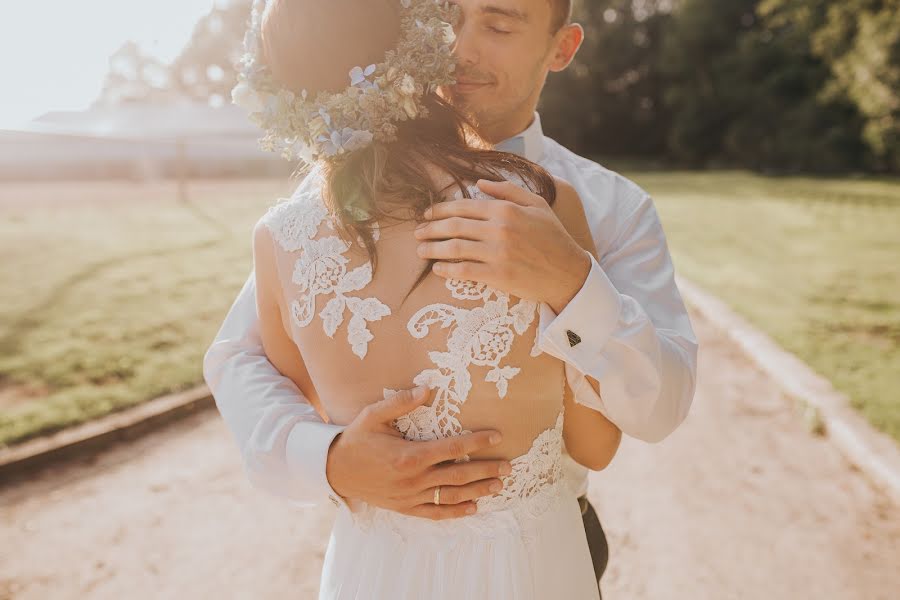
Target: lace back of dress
[473, 345]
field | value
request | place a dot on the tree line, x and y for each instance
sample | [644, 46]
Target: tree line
[770, 85]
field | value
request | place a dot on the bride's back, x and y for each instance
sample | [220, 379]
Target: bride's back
[359, 336]
[360, 340]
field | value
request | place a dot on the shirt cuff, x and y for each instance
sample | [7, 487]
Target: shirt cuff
[307, 457]
[578, 334]
[583, 392]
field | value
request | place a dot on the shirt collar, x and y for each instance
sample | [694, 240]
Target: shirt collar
[529, 143]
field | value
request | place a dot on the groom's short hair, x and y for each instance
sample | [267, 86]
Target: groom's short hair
[562, 13]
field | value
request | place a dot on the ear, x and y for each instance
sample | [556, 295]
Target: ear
[568, 41]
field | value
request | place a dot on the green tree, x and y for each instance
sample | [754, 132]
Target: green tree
[205, 69]
[700, 47]
[610, 101]
[134, 77]
[745, 89]
[861, 42]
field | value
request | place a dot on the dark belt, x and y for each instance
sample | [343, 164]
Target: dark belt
[583, 503]
[596, 537]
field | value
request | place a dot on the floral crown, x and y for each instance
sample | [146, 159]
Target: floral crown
[334, 124]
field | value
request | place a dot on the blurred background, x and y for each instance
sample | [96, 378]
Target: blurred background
[767, 131]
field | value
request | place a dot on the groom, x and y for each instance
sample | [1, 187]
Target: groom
[619, 324]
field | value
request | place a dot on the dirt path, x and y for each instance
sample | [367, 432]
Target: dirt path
[739, 503]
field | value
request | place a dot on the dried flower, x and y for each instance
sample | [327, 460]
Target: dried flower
[333, 124]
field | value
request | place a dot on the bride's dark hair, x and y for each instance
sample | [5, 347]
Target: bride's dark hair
[312, 45]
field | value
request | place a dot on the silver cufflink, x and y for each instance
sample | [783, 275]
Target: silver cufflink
[574, 338]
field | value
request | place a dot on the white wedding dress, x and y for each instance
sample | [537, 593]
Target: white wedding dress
[475, 347]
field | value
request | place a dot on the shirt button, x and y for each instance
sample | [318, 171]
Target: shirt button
[574, 338]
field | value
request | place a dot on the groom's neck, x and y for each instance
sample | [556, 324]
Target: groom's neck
[494, 133]
[510, 123]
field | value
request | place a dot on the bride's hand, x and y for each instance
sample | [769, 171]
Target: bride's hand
[372, 462]
[516, 243]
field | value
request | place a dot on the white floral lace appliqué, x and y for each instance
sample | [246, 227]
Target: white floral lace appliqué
[321, 270]
[480, 336]
[533, 474]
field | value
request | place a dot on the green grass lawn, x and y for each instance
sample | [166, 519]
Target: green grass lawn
[814, 263]
[113, 291]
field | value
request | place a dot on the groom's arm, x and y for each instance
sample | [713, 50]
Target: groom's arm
[282, 439]
[621, 328]
[287, 448]
[626, 333]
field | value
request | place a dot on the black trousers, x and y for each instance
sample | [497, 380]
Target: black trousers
[595, 536]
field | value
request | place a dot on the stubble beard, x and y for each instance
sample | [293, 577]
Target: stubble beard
[477, 118]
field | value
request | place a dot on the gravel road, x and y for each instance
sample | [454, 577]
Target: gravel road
[740, 502]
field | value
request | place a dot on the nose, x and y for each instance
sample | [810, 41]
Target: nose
[465, 48]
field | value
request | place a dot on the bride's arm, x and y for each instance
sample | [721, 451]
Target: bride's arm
[280, 349]
[591, 439]
[283, 442]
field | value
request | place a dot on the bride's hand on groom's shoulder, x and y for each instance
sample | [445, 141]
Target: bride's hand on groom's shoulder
[371, 461]
[516, 242]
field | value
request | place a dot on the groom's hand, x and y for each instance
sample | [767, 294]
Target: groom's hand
[515, 243]
[371, 461]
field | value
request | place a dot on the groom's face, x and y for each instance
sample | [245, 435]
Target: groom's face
[505, 49]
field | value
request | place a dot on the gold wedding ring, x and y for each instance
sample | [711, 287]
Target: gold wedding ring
[437, 495]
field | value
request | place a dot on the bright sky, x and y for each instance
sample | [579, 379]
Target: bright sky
[54, 53]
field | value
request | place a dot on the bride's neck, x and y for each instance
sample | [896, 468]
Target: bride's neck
[439, 180]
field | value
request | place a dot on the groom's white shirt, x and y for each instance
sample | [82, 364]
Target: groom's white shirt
[636, 340]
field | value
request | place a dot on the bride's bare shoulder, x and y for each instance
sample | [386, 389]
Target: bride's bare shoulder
[569, 209]
[264, 265]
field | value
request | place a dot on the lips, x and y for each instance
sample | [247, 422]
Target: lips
[464, 87]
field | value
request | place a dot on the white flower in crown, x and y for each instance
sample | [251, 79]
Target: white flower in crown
[407, 85]
[378, 96]
[245, 97]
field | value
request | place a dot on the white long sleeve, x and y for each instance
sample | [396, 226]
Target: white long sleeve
[283, 441]
[631, 330]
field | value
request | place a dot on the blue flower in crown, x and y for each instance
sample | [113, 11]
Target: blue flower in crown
[346, 140]
[358, 76]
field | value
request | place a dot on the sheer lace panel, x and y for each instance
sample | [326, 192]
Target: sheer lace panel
[473, 345]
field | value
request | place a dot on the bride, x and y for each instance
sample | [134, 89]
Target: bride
[347, 309]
